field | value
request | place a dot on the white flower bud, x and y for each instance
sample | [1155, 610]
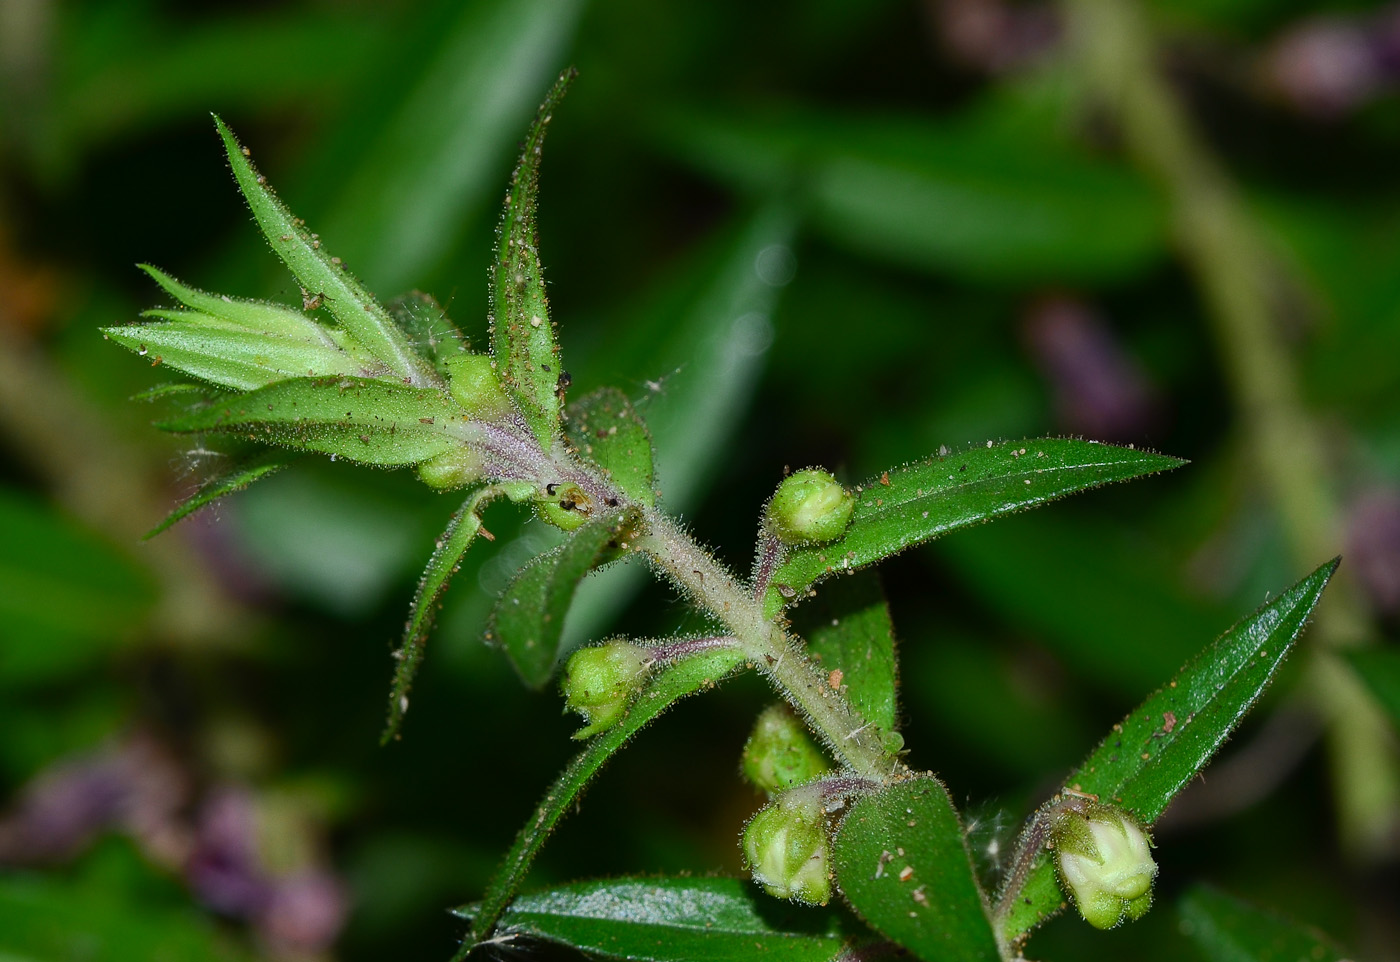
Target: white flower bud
[1105, 863]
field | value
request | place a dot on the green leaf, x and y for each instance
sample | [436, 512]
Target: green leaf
[522, 334]
[321, 275]
[676, 920]
[605, 429]
[1229, 930]
[665, 688]
[913, 504]
[1379, 668]
[254, 469]
[1154, 752]
[429, 329]
[370, 421]
[902, 863]
[529, 615]
[241, 360]
[847, 627]
[451, 545]
[261, 317]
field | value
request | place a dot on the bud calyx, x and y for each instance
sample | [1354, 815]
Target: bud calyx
[600, 680]
[779, 753]
[810, 506]
[786, 849]
[1105, 862]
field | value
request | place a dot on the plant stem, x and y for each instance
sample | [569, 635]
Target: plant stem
[709, 584]
[1217, 238]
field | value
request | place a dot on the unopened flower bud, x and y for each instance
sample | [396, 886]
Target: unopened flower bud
[786, 848]
[780, 754]
[473, 384]
[1105, 863]
[599, 682]
[810, 506]
[451, 469]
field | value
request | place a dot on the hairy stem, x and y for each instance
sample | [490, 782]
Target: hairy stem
[1221, 245]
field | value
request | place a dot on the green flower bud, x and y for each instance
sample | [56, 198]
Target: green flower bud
[599, 682]
[564, 506]
[451, 469]
[786, 849]
[473, 384]
[810, 506]
[1105, 863]
[779, 754]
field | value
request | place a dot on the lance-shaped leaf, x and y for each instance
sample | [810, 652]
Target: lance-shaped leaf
[262, 317]
[605, 429]
[429, 329]
[677, 920]
[848, 628]
[667, 686]
[370, 421]
[529, 615]
[451, 545]
[903, 864]
[1229, 930]
[254, 469]
[919, 502]
[522, 335]
[321, 275]
[1153, 753]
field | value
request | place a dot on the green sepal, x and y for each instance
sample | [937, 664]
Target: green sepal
[262, 317]
[369, 421]
[605, 429]
[254, 469]
[522, 334]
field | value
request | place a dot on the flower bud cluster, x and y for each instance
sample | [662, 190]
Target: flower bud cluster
[1105, 863]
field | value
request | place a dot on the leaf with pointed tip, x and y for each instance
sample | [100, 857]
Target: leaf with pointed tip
[922, 501]
[678, 920]
[926, 896]
[522, 335]
[1154, 752]
[238, 359]
[262, 317]
[321, 275]
[607, 430]
[666, 687]
[451, 545]
[1229, 930]
[370, 421]
[429, 329]
[254, 469]
[1379, 668]
[848, 627]
[529, 616]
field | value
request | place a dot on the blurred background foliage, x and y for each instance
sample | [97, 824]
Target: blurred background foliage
[795, 233]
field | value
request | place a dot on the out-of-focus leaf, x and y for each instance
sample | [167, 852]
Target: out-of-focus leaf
[1380, 669]
[254, 469]
[676, 920]
[451, 545]
[937, 195]
[529, 616]
[66, 597]
[847, 626]
[45, 921]
[321, 275]
[606, 430]
[431, 167]
[665, 688]
[903, 864]
[429, 329]
[370, 421]
[1151, 755]
[1229, 930]
[919, 502]
[522, 334]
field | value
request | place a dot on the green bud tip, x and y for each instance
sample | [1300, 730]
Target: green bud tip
[1105, 863]
[599, 682]
[786, 849]
[780, 754]
[810, 506]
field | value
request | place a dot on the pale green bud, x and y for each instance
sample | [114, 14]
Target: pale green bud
[780, 754]
[810, 506]
[1105, 863]
[473, 384]
[600, 680]
[451, 469]
[786, 849]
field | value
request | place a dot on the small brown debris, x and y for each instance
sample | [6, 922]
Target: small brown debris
[834, 679]
[885, 479]
[906, 873]
[1168, 721]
